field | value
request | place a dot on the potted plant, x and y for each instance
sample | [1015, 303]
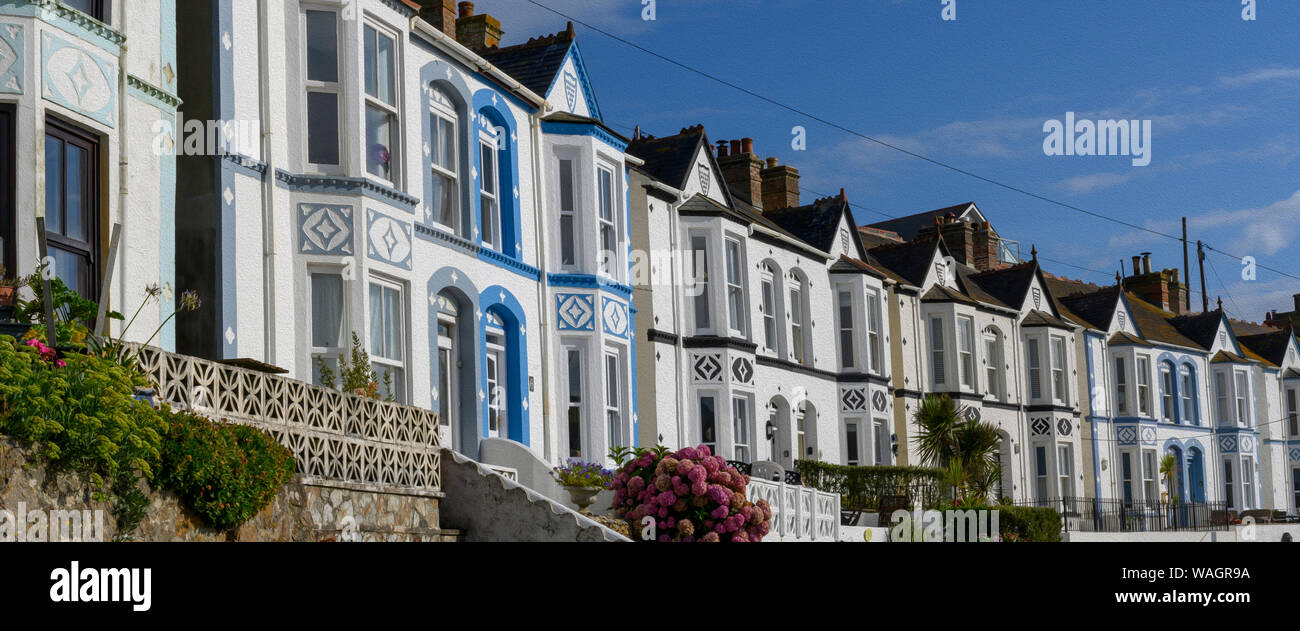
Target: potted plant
[583, 481]
[9, 293]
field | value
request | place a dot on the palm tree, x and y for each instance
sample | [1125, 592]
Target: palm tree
[1169, 469]
[947, 439]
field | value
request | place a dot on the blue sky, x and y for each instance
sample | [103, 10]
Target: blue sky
[1222, 93]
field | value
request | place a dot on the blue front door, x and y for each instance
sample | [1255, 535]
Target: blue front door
[1196, 475]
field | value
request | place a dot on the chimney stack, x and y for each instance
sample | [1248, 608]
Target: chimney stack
[1137, 266]
[477, 32]
[722, 149]
[1162, 288]
[741, 170]
[1296, 298]
[958, 235]
[985, 247]
[780, 186]
[441, 14]
[1146, 262]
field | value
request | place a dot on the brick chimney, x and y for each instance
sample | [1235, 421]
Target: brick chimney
[1162, 288]
[985, 247]
[441, 14]
[780, 185]
[741, 170]
[477, 32]
[958, 235]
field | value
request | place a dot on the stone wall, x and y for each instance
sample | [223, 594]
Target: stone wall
[299, 511]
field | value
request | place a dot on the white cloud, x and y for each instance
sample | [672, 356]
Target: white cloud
[1261, 74]
[1093, 182]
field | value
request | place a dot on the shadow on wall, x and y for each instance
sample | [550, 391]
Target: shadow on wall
[534, 473]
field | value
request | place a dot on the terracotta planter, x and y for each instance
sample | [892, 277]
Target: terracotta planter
[583, 496]
[8, 296]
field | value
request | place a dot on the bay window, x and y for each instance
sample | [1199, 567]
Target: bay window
[1221, 398]
[1243, 412]
[323, 88]
[1035, 369]
[1121, 386]
[328, 341]
[387, 341]
[381, 109]
[443, 152]
[966, 352]
[735, 287]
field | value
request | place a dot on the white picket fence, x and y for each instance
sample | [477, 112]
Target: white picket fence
[799, 513]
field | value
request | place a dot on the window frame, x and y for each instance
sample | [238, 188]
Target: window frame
[1058, 365]
[376, 101]
[1168, 399]
[799, 337]
[1121, 385]
[607, 199]
[742, 433]
[449, 375]
[337, 352]
[438, 114]
[490, 219]
[966, 352]
[701, 278]
[316, 86]
[938, 365]
[572, 228]
[576, 352]
[1143, 373]
[399, 364]
[845, 322]
[1240, 389]
[1187, 394]
[992, 363]
[1033, 351]
[494, 362]
[768, 309]
[91, 206]
[713, 421]
[615, 400]
[1065, 469]
[734, 267]
[874, 333]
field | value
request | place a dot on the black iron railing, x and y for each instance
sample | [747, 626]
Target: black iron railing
[1116, 515]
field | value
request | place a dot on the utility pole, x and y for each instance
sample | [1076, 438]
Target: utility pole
[1187, 270]
[1200, 260]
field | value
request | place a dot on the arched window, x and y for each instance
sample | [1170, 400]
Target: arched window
[800, 325]
[498, 176]
[505, 366]
[489, 177]
[1187, 394]
[444, 157]
[1168, 396]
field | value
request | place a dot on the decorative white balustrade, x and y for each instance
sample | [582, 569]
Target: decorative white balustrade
[799, 513]
[334, 437]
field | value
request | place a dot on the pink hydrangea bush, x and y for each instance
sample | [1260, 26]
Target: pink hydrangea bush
[47, 354]
[692, 495]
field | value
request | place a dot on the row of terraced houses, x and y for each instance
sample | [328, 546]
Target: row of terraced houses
[554, 288]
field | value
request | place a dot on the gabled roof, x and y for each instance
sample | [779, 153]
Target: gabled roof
[574, 119]
[1009, 285]
[1291, 373]
[909, 261]
[1224, 357]
[1153, 323]
[973, 289]
[535, 62]
[1094, 307]
[670, 159]
[1043, 318]
[1200, 327]
[1271, 347]
[847, 264]
[910, 226]
[818, 223]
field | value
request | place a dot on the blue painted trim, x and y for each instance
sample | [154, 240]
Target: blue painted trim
[446, 77]
[246, 165]
[518, 101]
[490, 113]
[457, 283]
[512, 264]
[17, 72]
[565, 128]
[589, 281]
[500, 302]
[584, 80]
[339, 185]
[71, 21]
[446, 239]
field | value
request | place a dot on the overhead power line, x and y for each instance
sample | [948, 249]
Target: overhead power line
[853, 132]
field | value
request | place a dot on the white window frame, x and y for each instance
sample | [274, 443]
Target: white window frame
[1222, 398]
[1150, 476]
[1143, 373]
[1121, 386]
[1167, 411]
[701, 300]
[331, 354]
[1292, 403]
[608, 227]
[1241, 388]
[799, 351]
[489, 193]
[853, 441]
[1060, 376]
[1229, 484]
[448, 374]
[938, 365]
[615, 427]
[1033, 348]
[1065, 469]
[873, 333]
[1042, 472]
[578, 407]
[398, 364]
[742, 432]
[1127, 489]
[992, 364]
[325, 87]
[394, 109]
[570, 218]
[1187, 394]
[494, 372]
[699, 420]
[734, 267]
[768, 308]
[880, 439]
[849, 355]
[440, 113]
[966, 351]
[1248, 483]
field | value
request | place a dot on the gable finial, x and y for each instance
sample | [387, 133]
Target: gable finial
[1033, 251]
[1118, 278]
[1220, 303]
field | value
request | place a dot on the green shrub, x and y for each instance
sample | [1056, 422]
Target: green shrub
[82, 417]
[1029, 523]
[861, 488]
[225, 473]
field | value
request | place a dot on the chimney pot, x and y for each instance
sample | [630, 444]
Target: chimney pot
[735, 147]
[747, 145]
[1146, 262]
[466, 9]
[1296, 298]
[722, 148]
[773, 162]
[1137, 265]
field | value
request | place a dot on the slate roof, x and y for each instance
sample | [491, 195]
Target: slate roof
[1009, 285]
[1154, 323]
[1200, 327]
[846, 264]
[1122, 337]
[973, 289]
[909, 261]
[1271, 347]
[817, 224]
[1224, 357]
[910, 226]
[1096, 308]
[1043, 318]
[940, 293]
[535, 62]
[1292, 374]
[669, 159]
[565, 117]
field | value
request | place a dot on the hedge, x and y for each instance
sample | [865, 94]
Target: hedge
[861, 488]
[1029, 523]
